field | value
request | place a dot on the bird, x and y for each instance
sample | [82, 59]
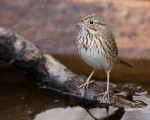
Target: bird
[97, 47]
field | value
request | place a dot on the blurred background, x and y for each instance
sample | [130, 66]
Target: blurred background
[51, 24]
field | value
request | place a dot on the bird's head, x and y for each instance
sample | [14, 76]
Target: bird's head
[93, 23]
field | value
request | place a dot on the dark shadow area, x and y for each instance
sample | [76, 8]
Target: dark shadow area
[21, 98]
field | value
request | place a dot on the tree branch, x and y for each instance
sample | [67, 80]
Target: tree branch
[51, 74]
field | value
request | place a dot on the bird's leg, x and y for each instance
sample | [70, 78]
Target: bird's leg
[86, 84]
[106, 94]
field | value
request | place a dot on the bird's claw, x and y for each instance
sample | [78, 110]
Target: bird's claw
[105, 96]
[85, 86]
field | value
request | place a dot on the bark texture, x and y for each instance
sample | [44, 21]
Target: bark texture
[51, 74]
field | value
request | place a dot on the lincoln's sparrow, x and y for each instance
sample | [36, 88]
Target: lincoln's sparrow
[97, 47]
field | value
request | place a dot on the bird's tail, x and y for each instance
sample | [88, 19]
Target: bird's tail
[124, 62]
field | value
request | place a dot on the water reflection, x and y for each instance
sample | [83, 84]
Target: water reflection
[78, 113]
[21, 99]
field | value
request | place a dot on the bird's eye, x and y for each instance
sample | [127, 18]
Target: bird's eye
[91, 22]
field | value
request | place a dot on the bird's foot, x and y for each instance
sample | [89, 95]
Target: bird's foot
[85, 86]
[105, 97]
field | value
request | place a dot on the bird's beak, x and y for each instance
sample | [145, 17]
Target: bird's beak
[81, 24]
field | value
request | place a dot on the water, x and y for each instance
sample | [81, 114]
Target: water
[21, 99]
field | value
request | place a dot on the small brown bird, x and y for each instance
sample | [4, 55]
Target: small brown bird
[97, 47]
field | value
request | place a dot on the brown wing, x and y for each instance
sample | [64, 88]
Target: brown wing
[110, 41]
[113, 45]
